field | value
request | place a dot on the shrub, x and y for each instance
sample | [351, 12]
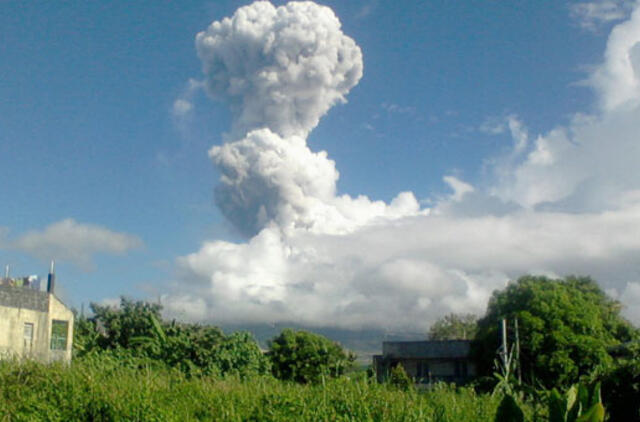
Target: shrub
[306, 357]
[399, 378]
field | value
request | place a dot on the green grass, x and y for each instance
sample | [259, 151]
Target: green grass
[104, 389]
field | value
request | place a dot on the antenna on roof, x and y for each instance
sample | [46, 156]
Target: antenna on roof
[51, 280]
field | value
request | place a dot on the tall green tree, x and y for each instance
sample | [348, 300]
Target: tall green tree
[305, 357]
[454, 327]
[566, 328]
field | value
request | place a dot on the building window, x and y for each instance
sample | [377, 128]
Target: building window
[28, 336]
[59, 330]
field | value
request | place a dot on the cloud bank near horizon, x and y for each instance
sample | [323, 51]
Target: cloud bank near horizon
[69, 240]
[567, 202]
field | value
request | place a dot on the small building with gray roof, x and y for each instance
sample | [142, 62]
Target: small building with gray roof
[34, 323]
[427, 361]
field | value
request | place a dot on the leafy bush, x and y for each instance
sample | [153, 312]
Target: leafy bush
[239, 354]
[399, 378]
[306, 357]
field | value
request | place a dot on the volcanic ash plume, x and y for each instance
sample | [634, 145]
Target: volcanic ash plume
[281, 69]
[568, 202]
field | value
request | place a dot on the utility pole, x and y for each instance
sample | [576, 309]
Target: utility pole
[504, 349]
[518, 351]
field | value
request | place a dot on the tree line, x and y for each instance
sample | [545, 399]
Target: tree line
[570, 332]
[135, 332]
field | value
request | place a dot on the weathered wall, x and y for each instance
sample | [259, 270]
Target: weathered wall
[12, 342]
[23, 305]
[26, 298]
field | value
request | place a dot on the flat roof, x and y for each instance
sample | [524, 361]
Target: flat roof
[24, 297]
[427, 349]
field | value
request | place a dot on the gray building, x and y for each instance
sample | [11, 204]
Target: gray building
[427, 361]
[34, 323]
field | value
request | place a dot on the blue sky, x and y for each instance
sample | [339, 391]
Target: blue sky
[92, 150]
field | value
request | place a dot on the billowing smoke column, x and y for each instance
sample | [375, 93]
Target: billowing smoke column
[281, 69]
[567, 203]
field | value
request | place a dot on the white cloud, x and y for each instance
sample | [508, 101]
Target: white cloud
[568, 202]
[592, 15]
[617, 80]
[591, 163]
[459, 187]
[76, 242]
[403, 274]
[181, 107]
[395, 108]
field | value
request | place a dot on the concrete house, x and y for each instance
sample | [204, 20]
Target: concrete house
[427, 361]
[34, 323]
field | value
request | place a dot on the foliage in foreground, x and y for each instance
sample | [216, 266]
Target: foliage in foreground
[101, 388]
[580, 403]
[621, 384]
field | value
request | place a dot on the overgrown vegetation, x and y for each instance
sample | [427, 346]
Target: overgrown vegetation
[136, 329]
[621, 383]
[102, 388]
[129, 364]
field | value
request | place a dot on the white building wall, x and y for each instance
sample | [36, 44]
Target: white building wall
[12, 341]
[12, 330]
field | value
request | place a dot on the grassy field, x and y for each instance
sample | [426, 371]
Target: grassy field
[102, 389]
